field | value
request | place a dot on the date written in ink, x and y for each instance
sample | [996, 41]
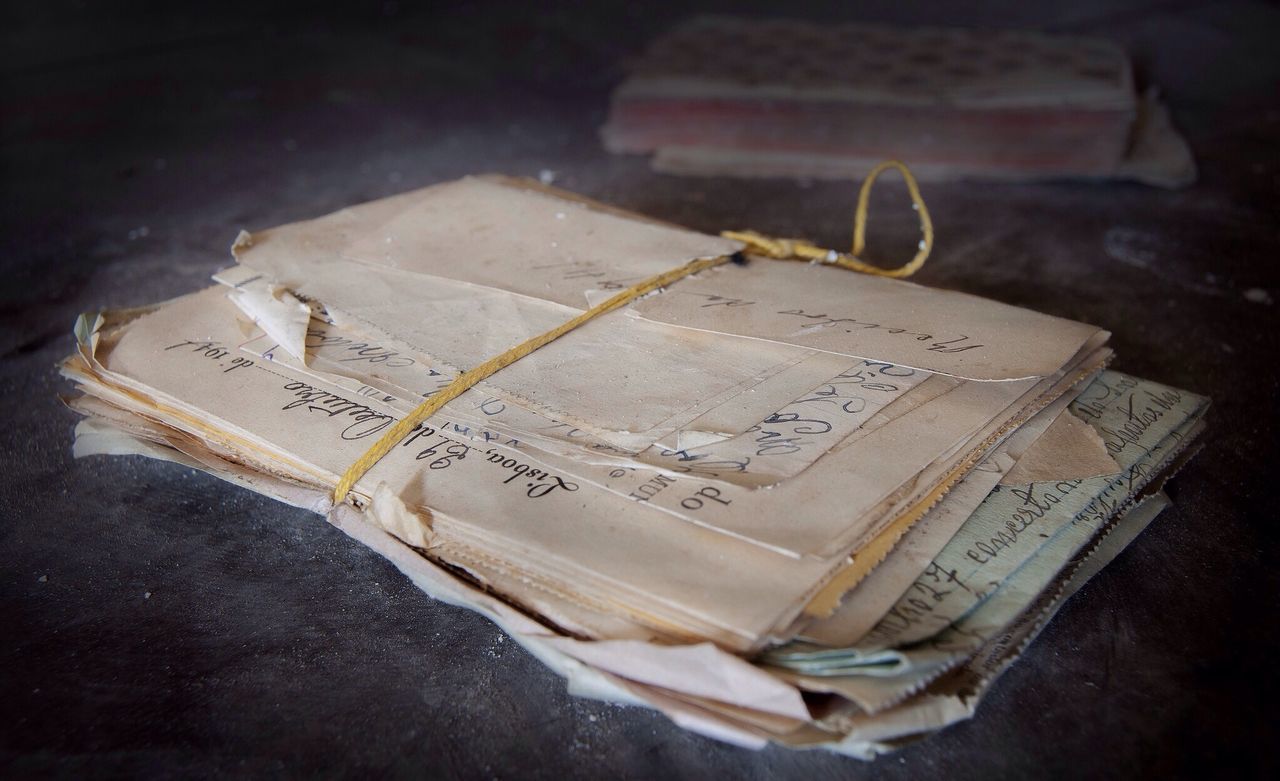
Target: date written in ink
[438, 450]
[214, 352]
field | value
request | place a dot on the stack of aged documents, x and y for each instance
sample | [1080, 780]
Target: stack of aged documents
[777, 501]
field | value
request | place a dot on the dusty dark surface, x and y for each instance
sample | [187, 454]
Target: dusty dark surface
[159, 622]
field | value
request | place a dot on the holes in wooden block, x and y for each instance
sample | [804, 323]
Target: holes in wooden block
[800, 55]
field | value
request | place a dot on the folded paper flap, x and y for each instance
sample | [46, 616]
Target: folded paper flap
[873, 318]
[533, 242]
[492, 233]
[1158, 154]
[702, 670]
[1068, 450]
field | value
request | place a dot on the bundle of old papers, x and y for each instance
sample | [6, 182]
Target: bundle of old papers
[776, 501]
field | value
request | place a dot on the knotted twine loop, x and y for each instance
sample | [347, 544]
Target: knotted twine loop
[757, 244]
[799, 249]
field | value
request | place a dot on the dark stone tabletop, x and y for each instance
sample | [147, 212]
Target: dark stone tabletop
[159, 622]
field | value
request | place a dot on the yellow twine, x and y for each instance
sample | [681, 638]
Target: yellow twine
[799, 249]
[464, 381]
[758, 244]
